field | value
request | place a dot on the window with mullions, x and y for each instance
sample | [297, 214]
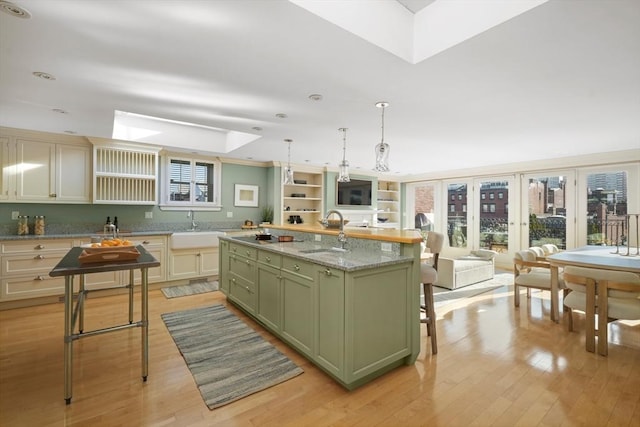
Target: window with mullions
[192, 182]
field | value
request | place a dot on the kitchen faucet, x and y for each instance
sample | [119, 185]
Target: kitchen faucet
[342, 238]
[191, 214]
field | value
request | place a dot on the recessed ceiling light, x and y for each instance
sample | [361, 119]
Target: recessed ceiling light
[13, 10]
[315, 97]
[45, 76]
[59, 111]
[281, 115]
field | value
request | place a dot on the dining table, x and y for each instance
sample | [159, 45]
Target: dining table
[601, 257]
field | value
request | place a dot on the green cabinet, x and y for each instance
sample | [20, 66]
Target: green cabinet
[355, 325]
[269, 308]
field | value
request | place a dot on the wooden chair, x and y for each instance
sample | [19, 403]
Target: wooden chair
[428, 276]
[530, 271]
[612, 295]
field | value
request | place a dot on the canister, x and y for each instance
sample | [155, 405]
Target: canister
[23, 225]
[38, 225]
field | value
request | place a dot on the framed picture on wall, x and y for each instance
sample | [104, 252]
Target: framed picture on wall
[246, 195]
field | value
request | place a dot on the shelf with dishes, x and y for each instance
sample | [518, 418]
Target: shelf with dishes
[302, 202]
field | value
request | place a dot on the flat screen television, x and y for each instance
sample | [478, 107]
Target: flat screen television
[356, 192]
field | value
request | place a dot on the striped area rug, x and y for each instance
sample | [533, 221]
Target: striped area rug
[228, 359]
[190, 289]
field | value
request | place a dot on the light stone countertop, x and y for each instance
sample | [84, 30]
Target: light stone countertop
[351, 260]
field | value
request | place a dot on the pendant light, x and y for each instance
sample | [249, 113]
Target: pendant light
[343, 176]
[382, 149]
[288, 172]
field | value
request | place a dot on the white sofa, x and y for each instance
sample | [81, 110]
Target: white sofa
[454, 273]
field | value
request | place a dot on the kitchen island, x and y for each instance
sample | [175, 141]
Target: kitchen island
[354, 313]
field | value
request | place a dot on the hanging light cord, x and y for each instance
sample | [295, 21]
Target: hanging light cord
[382, 124]
[289, 157]
[344, 145]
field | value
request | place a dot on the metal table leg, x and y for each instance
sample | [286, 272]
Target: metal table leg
[81, 304]
[131, 296]
[145, 323]
[68, 339]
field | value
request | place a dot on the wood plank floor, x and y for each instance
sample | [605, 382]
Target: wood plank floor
[496, 366]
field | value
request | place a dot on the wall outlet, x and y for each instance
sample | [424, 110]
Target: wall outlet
[15, 215]
[229, 214]
[148, 215]
[386, 247]
[318, 237]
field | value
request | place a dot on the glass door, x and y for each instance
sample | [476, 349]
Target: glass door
[547, 212]
[493, 220]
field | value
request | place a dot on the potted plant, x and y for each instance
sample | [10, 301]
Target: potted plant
[266, 215]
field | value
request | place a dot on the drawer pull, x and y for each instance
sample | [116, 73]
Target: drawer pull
[234, 249]
[53, 195]
[38, 257]
[327, 272]
[296, 267]
[233, 280]
[248, 262]
[41, 278]
[145, 242]
[40, 247]
[268, 259]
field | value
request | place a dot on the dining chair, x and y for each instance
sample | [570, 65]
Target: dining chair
[611, 295]
[428, 276]
[529, 271]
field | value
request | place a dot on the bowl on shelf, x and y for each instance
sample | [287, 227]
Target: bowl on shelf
[383, 219]
[333, 223]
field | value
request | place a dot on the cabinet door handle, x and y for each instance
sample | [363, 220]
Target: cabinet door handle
[53, 195]
[40, 278]
[233, 280]
[38, 257]
[268, 259]
[145, 242]
[198, 254]
[248, 262]
[327, 272]
[296, 267]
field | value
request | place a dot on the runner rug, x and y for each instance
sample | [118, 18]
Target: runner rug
[228, 359]
[190, 289]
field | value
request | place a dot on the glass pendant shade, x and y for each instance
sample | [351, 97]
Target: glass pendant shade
[343, 174]
[382, 149]
[288, 172]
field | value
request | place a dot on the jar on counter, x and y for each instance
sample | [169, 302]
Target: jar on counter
[23, 225]
[38, 225]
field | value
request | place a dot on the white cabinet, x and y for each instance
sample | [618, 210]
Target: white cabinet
[303, 201]
[46, 172]
[388, 200]
[125, 174]
[26, 265]
[193, 263]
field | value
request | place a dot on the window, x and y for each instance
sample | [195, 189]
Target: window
[492, 207]
[452, 208]
[492, 196]
[459, 196]
[501, 195]
[485, 207]
[483, 196]
[464, 208]
[191, 182]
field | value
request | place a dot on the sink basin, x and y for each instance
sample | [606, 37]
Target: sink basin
[195, 239]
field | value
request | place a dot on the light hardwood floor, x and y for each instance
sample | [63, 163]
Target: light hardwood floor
[496, 366]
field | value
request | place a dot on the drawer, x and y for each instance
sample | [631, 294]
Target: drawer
[35, 245]
[14, 288]
[298, 267]
[269, 258]
[243, 292]
[243, 267]
[242, 250]
[36, 263]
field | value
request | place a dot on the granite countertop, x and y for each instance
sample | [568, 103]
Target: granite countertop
[351, 260]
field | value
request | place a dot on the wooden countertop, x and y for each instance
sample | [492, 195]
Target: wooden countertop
[384, 234]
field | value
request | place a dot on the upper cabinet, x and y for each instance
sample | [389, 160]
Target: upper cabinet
[388, 200]
[191, 182]
[37, 171]
[302, 202]
[125, 174]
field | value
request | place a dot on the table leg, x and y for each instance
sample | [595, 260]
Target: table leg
[145, 323]
[81, 304]
[131, 296]
[590, 316]
[68, 339]
[555, 312]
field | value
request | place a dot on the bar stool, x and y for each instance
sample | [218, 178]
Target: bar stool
[428, 276]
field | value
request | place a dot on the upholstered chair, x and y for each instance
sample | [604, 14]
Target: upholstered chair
[429, 275]
[611, 295]
[529, 271]
[550, 249]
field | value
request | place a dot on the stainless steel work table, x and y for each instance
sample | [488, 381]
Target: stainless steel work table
[70, 266]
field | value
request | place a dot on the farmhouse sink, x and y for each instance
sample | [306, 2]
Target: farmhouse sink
[194, 239]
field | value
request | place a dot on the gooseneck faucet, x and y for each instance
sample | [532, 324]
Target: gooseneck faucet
[342, 238]
[191, 214]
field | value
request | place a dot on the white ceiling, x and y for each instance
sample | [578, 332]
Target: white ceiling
[561, 79]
